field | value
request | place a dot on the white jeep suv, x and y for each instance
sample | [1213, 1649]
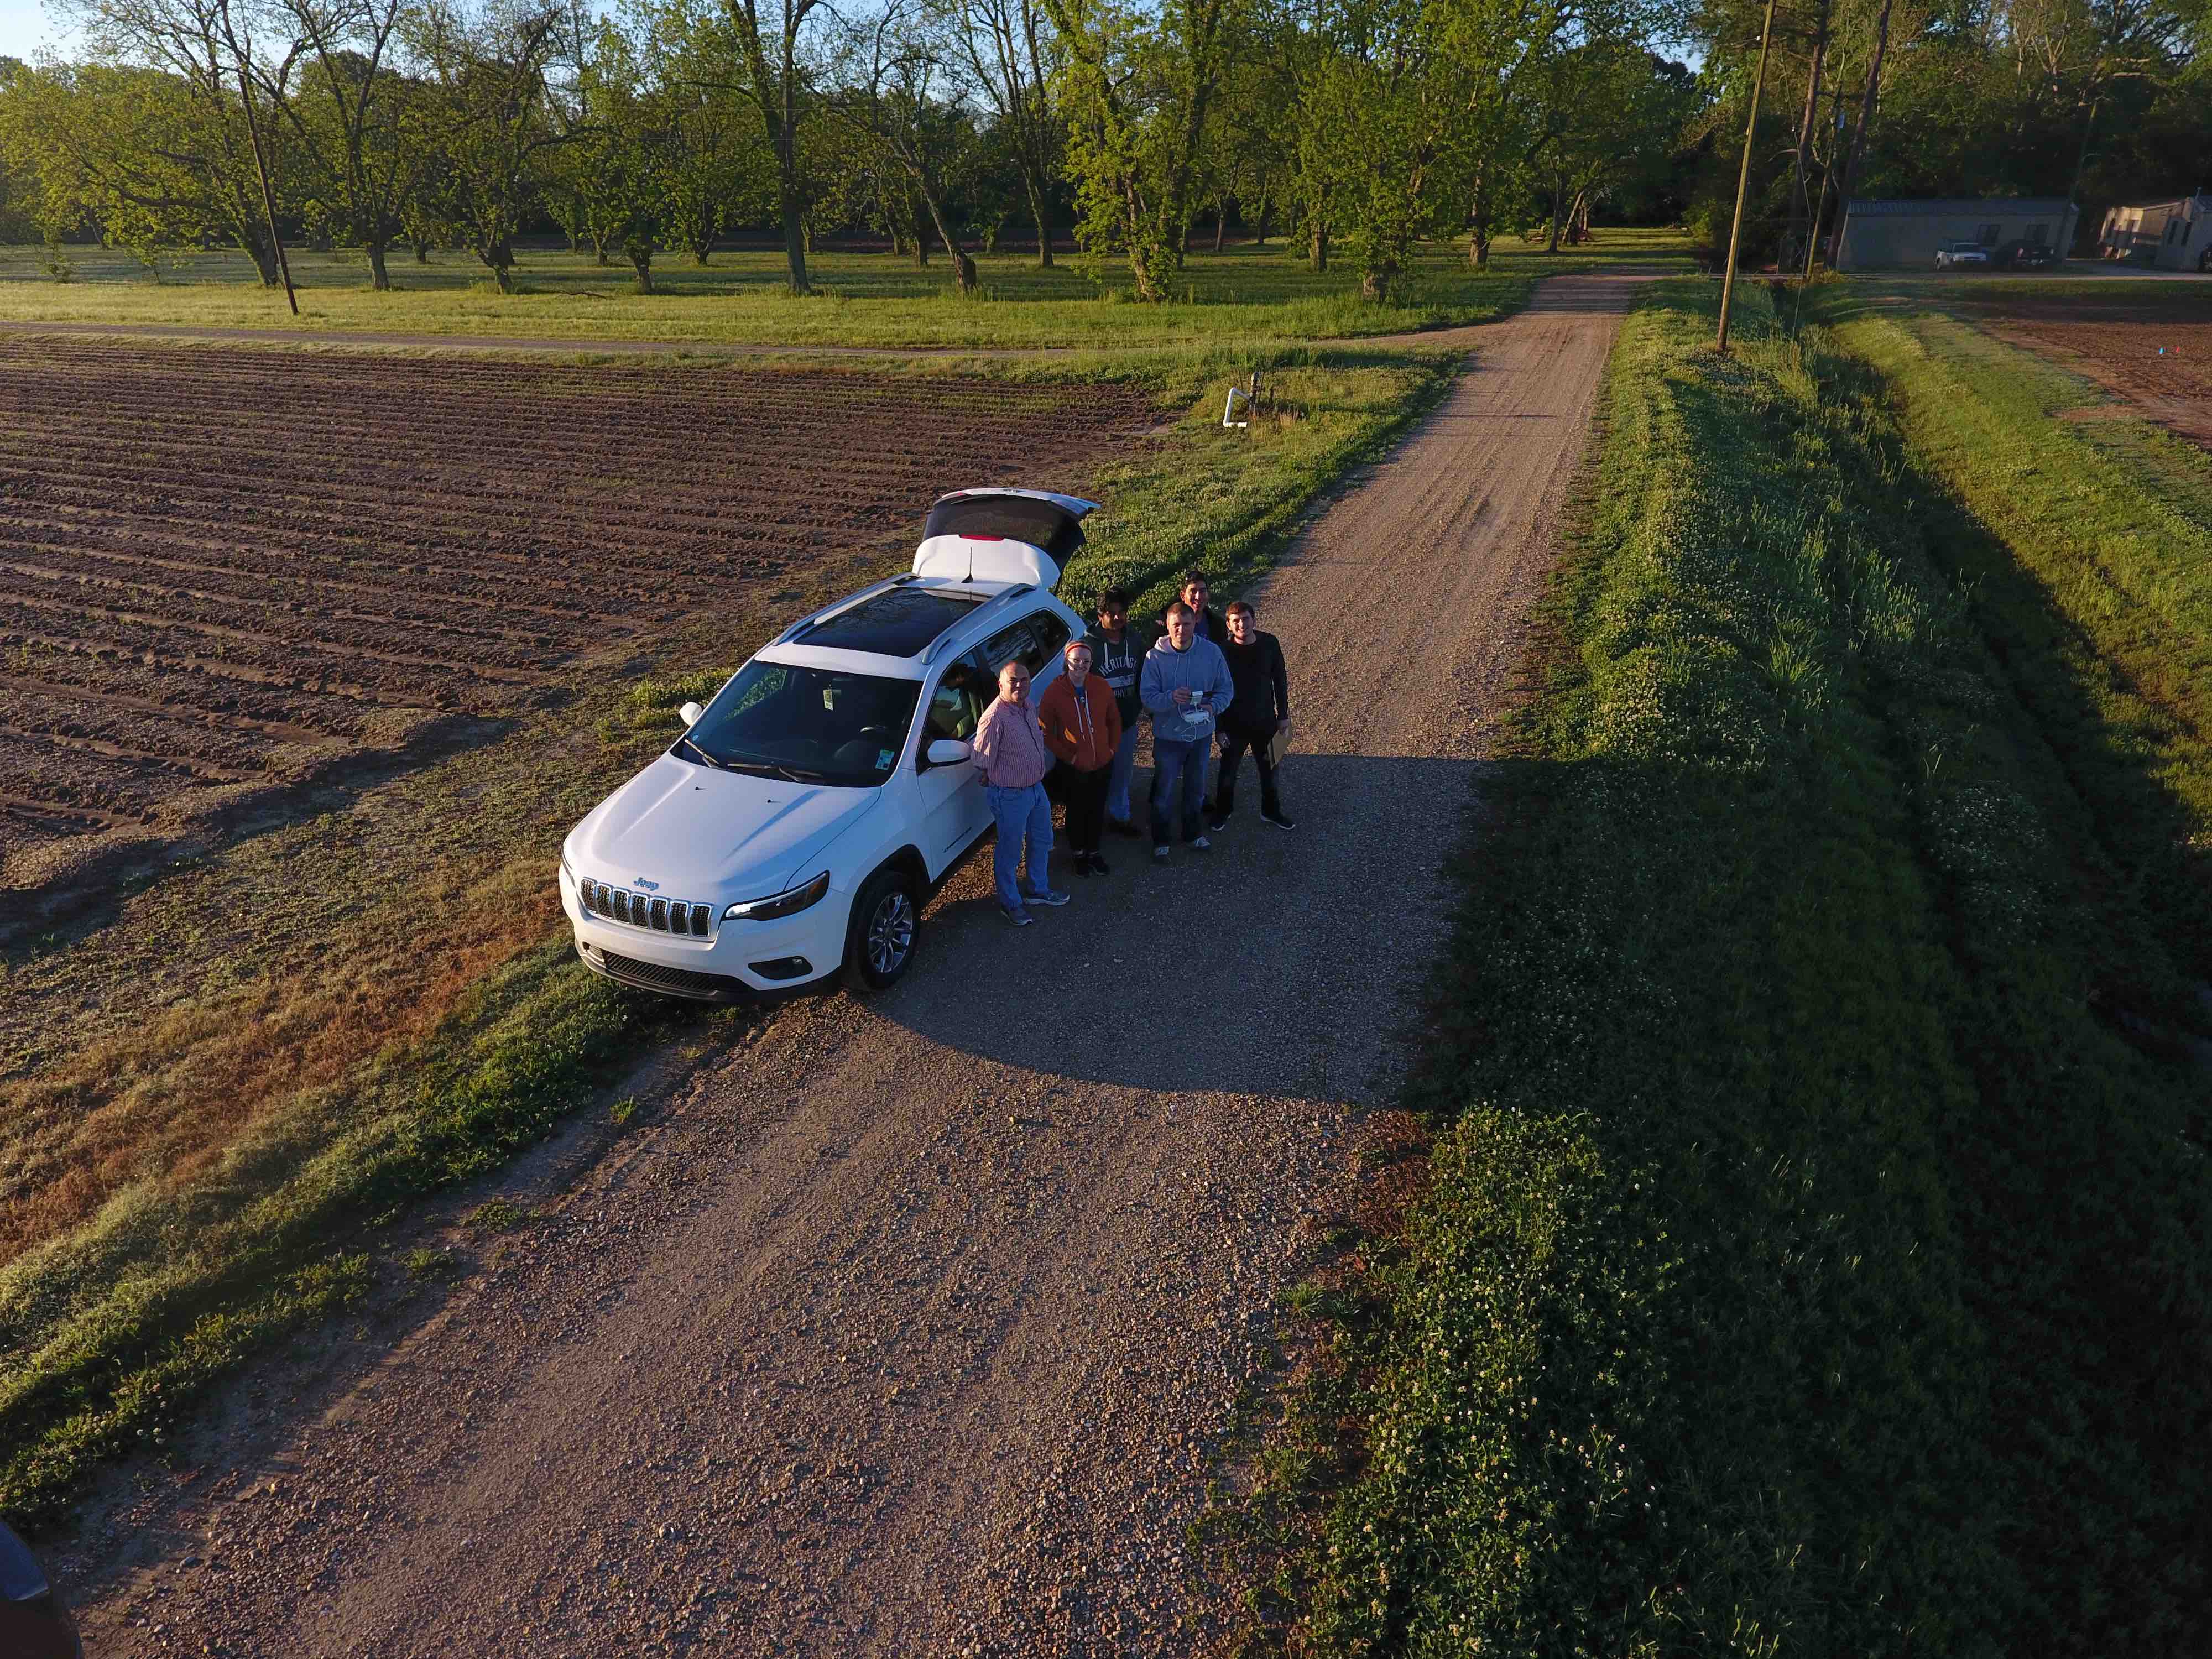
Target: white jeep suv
[803, 819]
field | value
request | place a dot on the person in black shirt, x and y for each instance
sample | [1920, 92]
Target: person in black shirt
[1205, 621]
[1260, 708]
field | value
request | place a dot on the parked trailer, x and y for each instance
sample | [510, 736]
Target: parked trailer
[2164, 235]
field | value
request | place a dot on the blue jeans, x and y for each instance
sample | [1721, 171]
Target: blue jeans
[1178, 768]
[1117, 780]
[1020, 814]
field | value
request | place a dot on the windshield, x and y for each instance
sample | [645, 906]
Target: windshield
[809, 725]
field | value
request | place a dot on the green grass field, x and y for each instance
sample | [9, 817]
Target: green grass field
[1243, 294]
[1811, 1256]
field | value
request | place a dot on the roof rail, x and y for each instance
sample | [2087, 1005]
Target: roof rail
[937, 646]
[838, 607]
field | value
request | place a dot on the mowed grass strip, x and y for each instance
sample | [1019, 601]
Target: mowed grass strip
[1808, 1264]
[1244, 293]
[266, 1163]
[2087, 547]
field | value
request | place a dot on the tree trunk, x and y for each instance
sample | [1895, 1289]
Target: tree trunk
[794, 215]
[1220, 222]
[1375, 283]
[1558, 189]
[378, 279]
[963, 268]
[701, 250]
[1040, 217]
[422, 252]
[1801, 202]
[1260, 223]
[1858, 138]
[641, 258]
[600, 249]
[1318, 247]
[263, 257]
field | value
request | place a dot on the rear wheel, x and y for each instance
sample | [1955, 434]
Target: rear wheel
[886, 919]
[2204, 260]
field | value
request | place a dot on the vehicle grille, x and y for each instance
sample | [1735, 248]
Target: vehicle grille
[677, 982]
[658, 915]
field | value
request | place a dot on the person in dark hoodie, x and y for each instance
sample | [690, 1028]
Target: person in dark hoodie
[1117, 657]
[1260, 708]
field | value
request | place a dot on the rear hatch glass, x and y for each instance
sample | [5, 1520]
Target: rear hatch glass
[1055, 530]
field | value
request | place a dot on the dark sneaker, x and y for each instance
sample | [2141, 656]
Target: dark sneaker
[1218, 823]
[1279, 818]
[1124, 827]
[1052, 898]
[1083, 863]
[1019, 918]
[1098, 865]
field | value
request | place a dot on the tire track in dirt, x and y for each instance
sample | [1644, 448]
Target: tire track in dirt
[907, 1333]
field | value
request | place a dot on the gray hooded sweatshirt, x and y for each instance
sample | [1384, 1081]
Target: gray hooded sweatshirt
[1201, 670]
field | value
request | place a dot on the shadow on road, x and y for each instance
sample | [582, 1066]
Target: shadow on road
[1131, 983]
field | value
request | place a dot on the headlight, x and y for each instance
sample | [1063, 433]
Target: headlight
[782, 904]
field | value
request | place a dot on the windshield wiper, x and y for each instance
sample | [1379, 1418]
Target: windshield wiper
[708, 759]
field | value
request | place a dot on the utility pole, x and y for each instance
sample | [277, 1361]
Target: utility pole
[1743, 179]
[261, 164]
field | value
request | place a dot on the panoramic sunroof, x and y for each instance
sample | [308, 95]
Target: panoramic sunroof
[899, 622]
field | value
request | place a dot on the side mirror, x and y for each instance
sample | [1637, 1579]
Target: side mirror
[948, 751]
[689, 713]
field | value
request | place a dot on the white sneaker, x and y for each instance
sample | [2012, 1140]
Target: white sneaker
[1202, 843]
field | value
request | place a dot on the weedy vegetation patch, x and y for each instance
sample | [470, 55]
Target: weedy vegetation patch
[1811, 1260]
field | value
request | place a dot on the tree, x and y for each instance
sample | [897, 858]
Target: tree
[1009, 51]
[1139, 88]
[494, 105]
[358, 125]
[772, 38]
[893, 68]
[150, 137]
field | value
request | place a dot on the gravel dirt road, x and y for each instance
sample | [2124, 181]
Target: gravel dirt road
[910, 1326]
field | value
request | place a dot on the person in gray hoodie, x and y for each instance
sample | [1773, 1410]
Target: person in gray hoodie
[1184, 687]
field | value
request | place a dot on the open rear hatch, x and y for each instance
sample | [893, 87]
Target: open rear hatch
[1002, 535]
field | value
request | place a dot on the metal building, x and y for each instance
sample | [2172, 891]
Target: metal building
[2169, 235]
[1894, 234]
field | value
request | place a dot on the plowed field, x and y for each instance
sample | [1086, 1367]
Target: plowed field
[230, 571]
[2158, 355]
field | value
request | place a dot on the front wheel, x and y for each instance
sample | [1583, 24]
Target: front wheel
[886, 918]
[2204, 260]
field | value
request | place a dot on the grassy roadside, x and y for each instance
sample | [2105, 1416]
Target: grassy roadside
[2088, 546]
[357, 1066]
[1243, 294]
[1810, 1258]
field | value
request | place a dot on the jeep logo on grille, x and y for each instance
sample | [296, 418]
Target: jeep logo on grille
[649, 886]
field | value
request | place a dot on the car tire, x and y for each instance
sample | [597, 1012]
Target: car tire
[885, 928]
[2204, 260]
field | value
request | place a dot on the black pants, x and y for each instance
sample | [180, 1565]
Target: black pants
[1234, 743]
[1084, 795]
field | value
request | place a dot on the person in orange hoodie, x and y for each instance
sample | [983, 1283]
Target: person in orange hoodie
[1083, 728]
